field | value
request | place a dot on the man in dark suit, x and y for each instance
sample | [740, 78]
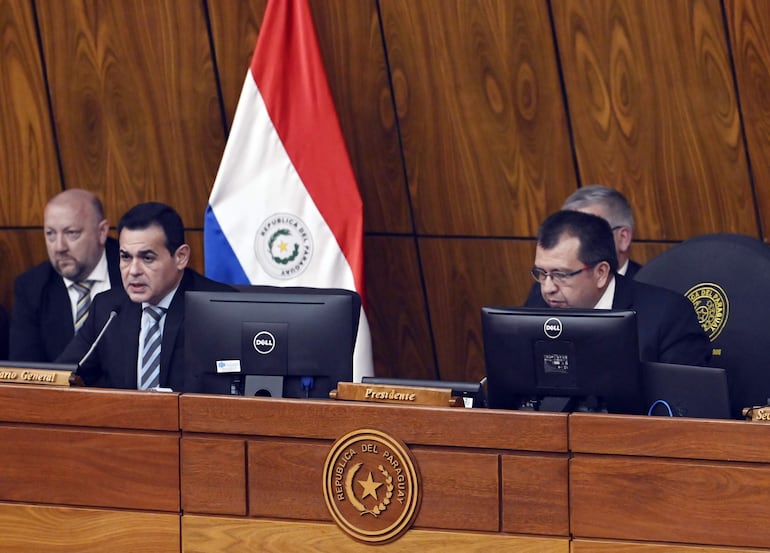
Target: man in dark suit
[143, 345]
[46, 297]
[575, 266]
[613, 207]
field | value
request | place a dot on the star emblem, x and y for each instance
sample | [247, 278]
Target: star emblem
[370, 487]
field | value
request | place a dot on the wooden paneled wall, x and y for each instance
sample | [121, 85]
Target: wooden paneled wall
[467, 121]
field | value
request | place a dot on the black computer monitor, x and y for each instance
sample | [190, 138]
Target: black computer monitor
[562, 359]
[270, 341]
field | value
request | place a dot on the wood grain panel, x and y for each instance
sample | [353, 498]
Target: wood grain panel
[324, 419]
[234, 30]
[213, 476]
[38, 529]
[654, 112]
[20, 250]
[462, 276]
[749, 25]
[606, 546]
[90, 407]
[286, 480]
[669, 437]
[481, 115]
[227, 535]
[351, 44]
[134, 97]
[664, 500]
[534, 495]
[460, 491]
[29, 170]
[644, 252]
[401, 338]
[95, 469]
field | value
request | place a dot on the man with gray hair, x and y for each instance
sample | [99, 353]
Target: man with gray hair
[613, 207]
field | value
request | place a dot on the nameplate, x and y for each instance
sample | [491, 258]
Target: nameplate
[49, 377]
[757, 413]
[401, 395]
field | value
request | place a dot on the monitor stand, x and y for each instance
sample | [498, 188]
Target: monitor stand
[555, 404]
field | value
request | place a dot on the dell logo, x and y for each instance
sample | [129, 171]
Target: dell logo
[264, 342]
[552, 328]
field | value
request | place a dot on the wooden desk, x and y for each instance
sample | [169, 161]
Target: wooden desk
[88, 470]
[658, 479]
[100, 470]
[252, 475]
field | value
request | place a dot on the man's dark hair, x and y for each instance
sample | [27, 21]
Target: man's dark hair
[594, 233]
[148, 214]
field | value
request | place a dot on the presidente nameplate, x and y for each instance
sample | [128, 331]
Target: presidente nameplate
[402, 395]
[371, 486]
[16, 375]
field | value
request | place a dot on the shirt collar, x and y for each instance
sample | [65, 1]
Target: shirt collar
[608, 297]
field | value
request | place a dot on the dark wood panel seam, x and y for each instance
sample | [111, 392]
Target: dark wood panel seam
[49, 100]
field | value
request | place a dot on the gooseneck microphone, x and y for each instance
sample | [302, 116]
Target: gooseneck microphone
[113, 314]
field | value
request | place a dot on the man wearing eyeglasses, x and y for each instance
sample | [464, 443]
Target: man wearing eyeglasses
[613, 207]
[575, 266]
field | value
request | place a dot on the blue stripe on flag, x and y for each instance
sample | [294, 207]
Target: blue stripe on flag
[220, 260]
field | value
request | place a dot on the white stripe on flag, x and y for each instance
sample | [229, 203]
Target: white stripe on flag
[285, 155]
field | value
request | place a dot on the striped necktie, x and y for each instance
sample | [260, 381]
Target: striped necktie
[83, 303]
[150, 374]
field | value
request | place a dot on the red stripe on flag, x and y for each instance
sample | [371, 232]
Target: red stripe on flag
[289, 73]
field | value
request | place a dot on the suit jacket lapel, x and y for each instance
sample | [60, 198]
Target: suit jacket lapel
[623, 298]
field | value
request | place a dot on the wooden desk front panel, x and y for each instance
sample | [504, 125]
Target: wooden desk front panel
[460, 454]
[89, 407]
[329, 420]
[670, 500]
[59, 465]
[202, 534]
[46, 529]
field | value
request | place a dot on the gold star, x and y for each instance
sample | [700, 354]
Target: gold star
[283, 247]
[370, 487]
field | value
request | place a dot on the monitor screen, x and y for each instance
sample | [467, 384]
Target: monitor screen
[270, 341]
[562, 359]
[472, 393]
[686, 391]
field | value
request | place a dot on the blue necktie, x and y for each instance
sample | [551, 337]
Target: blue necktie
[150, 375]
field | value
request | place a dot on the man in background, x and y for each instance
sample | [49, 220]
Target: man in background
[51, 300]
[143, 342]
[613, 207]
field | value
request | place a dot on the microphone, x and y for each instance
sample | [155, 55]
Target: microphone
[113, 314]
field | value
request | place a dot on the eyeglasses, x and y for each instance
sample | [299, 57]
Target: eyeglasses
[560, 277]
[617, 227]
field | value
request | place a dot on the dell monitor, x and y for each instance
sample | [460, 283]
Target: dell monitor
[270, 341]
[562, 359]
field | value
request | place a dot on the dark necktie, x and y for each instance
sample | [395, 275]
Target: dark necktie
[83, 303]
[150, 374]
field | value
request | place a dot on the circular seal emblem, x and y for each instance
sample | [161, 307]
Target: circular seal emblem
[283, 246]
[371, 486]
[264, 342]
[712, 307]
[552, 328]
